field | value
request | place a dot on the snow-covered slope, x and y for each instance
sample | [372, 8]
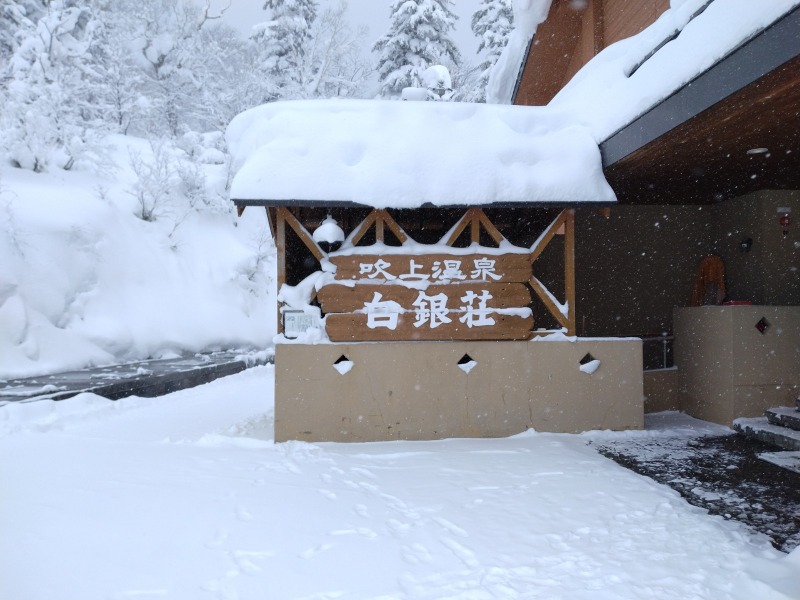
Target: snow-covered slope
[83, 280]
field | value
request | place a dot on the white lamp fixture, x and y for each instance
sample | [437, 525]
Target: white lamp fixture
[329, 235]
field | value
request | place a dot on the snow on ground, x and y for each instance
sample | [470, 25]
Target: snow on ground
[187, 497]
[83, 281]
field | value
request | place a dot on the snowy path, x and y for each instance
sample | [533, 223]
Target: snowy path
[186, 497]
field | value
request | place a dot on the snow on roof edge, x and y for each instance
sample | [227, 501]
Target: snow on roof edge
[390, 154]
[630, 77]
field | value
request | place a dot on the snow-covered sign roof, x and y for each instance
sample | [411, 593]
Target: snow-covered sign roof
[389, 154]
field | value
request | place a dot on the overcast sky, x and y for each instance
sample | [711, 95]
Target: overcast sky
[243, 14]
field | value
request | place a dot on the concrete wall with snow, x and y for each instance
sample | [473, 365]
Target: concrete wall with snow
[423, 393]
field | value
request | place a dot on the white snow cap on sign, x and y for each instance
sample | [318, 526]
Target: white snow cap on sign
[388, 154]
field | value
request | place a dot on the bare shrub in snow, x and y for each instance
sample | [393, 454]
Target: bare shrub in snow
[194, 187]
[153, 186]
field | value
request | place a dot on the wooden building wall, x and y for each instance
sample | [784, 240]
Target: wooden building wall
[572, 34]
[635, 267]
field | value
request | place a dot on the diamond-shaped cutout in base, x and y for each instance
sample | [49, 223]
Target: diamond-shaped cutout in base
[589, 364]
[467, 363]
[762, 325]
[343, 364]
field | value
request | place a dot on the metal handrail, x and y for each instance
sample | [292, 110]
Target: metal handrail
[665, 341]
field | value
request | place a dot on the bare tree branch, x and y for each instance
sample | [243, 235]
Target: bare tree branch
[208, 17]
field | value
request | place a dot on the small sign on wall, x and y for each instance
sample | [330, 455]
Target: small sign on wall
[295, 323]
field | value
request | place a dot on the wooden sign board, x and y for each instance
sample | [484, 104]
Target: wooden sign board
[334, 298]
[354, 327]
[428, 297]
[434, 268]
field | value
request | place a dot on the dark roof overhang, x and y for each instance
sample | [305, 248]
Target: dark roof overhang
[692, 146]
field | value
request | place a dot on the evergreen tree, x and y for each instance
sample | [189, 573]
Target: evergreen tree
[492, 23]
[418, 38]
[281, 43]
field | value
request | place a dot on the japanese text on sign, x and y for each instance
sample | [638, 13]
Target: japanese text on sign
[482, 269]
[431, 310]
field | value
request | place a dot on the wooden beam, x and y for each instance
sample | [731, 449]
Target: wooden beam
[569, 269]
[475, 234]
[362, 228]
[493, 231]
[302, 233]
[271, 217]
[280, 244]
[547, 299]
[398, 231]
[240, 209]
[379, 237]
[459, 228]
[544, 239]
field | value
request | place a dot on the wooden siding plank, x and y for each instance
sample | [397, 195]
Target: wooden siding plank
[506, 267]
[335, 298]
[353, 328]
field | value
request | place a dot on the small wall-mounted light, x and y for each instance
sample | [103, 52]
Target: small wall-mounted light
[785, 222]
[745, 245]
[329, 235]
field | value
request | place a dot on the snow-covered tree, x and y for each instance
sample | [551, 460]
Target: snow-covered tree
[17, 17]
[281, 42]
[333, 58]
[54, 92]
[491, 23]
[172, 49]
[418, 37]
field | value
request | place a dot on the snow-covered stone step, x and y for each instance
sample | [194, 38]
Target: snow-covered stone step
[786, 460]
[785, 416]
[763, 431]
